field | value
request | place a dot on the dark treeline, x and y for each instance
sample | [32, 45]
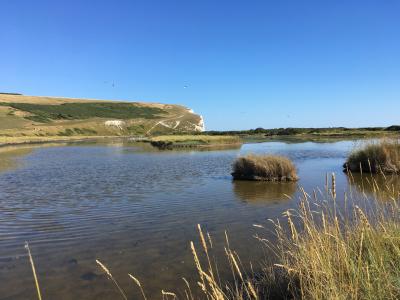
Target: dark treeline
[15, 94]
[297, 131]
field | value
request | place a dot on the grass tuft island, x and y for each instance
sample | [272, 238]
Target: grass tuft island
[376, 157]
[264, 168]
[167, 142]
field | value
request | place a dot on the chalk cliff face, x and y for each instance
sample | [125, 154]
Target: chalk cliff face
[197, 124]
[54, 116]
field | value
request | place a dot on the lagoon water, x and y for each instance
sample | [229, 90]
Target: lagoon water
[136, 209]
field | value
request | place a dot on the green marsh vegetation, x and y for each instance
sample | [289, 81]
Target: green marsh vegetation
[190, 140]
[45, 113]
[77, 131]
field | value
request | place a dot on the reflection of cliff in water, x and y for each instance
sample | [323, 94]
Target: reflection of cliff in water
[377, 185]
[264, 192]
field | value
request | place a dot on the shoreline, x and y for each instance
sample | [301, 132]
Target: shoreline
[20, 141]
[35, 140]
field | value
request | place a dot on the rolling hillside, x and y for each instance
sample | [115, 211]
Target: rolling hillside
[32, 116]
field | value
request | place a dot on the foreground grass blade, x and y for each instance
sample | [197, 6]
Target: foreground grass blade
[33, 271]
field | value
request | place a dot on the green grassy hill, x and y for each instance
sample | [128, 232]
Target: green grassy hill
[30, 116]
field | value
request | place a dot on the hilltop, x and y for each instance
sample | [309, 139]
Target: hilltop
[39, 116]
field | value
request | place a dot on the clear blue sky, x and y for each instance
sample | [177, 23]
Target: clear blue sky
[246, 64]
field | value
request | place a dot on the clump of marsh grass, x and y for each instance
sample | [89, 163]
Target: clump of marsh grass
[328, 254]
[264, 168]
[168, 142]
[375, 157]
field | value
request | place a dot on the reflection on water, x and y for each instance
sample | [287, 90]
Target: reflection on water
[136, 209]
[9, 156]
[383, 187]
[264, 192]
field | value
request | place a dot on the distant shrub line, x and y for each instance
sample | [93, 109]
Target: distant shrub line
[298, 131]
[80, 131]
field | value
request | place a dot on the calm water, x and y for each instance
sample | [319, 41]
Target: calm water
[136, 210]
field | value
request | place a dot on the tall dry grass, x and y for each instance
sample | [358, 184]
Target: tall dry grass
[322, 252]
[327, 253]
[376, 157]
[264, 167]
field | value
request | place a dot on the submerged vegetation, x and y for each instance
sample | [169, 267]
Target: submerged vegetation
[264, 168]
[376, 157]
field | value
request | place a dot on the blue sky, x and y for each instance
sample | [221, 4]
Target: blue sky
[246, 64]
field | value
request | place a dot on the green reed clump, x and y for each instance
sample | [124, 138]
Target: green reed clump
[376, 157]
[264, 168]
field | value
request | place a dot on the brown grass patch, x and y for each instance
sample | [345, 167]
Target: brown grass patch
[264, 168]
[376, 157]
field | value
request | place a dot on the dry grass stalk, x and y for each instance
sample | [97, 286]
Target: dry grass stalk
[109, 275]
[333, 257]
[135, 280]
[168, 294]
[39, 294]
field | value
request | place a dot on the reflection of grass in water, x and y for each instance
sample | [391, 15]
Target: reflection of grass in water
[263, 192]
[376, 186]
[204, 139]
[9, 155]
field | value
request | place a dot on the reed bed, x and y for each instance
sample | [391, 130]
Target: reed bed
[376, 157]
[352, 253]
[188, 141]
[264, 168]
[321, 251]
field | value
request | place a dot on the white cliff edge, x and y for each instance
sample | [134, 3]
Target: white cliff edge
[200, 126]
